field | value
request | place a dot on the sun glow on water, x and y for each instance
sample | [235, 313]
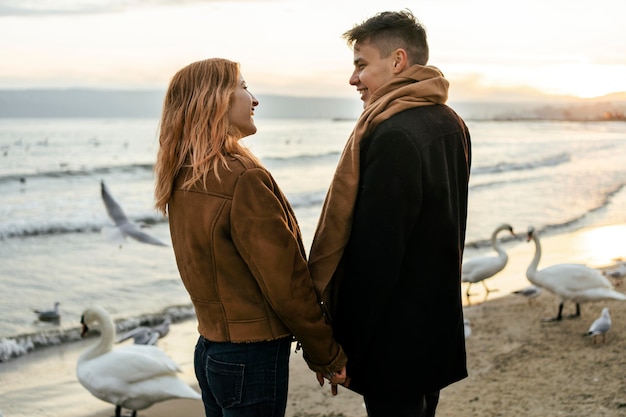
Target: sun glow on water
[604, 245]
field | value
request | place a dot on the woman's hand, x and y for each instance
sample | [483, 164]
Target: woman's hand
[335, 378]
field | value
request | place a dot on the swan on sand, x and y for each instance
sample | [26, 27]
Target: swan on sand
[570, 282]
[480, 268]
[133, 376]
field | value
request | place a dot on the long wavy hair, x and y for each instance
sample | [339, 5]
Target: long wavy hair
[195, 130]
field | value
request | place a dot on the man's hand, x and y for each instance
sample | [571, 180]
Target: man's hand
[336, 378]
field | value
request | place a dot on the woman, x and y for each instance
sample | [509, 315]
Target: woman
[238, 248]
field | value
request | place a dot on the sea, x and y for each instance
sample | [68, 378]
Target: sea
[55, 246]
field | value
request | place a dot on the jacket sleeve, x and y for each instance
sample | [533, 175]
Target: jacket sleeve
[267, 236]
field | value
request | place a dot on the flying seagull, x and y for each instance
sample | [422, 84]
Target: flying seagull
[125, 227]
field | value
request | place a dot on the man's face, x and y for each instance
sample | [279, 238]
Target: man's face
[370, 70]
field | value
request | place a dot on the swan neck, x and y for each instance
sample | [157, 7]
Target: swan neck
[532, 267]
[105, 342]
[496, 244]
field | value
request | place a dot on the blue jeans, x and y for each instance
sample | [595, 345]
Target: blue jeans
[243, 379]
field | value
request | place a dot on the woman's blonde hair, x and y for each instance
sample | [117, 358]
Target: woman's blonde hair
[195, 128]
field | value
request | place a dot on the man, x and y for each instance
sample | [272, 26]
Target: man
[386, 256]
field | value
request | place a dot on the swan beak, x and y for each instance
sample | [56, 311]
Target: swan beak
[85, 328]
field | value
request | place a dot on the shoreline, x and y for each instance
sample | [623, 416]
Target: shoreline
[517, 364]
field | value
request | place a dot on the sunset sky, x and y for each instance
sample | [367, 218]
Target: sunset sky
[485, 48]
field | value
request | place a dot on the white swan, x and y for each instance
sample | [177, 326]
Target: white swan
[132, 376]
[570, 282]
[482, 267]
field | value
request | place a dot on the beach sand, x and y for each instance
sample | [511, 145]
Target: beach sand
[518, 365]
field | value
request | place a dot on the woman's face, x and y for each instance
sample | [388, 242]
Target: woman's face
[241, 110]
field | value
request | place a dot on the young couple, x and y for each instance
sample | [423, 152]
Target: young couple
[377, 306]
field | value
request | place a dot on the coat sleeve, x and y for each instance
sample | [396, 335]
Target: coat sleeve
[267, 236]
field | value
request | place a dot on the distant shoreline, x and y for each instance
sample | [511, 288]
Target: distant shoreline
[94, 103]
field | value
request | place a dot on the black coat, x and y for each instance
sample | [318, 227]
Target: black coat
[398, 309]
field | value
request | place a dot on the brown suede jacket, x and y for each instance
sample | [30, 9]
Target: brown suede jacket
[241, 258]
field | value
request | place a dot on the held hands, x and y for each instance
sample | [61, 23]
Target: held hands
[336, 378]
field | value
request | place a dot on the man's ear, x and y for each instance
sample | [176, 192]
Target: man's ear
[400, 60]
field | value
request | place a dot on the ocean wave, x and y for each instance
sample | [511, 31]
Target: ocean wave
[501, 167]
[60, 228]
[300, 159]
[78, 224]
[312, 199]
[87, 172]
[20, 345]
[271, 162]
[568, 225]
[498, 183]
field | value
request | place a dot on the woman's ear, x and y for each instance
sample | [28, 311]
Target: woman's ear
[400, 60]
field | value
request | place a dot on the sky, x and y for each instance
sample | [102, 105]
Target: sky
[486, 48]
